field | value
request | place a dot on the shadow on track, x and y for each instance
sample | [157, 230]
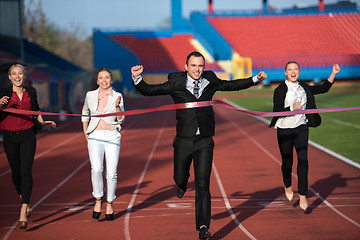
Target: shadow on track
[81, 207]
[325, 187]
[247, 209]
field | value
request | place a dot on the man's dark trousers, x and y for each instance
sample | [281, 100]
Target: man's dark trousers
[200, 150]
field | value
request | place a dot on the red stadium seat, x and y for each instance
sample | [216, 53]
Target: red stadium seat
[7, 56]
[309, 38]
[160, 54]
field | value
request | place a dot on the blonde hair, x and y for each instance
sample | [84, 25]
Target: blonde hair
[23, 69]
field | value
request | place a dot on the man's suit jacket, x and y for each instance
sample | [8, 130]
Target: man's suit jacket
[90, 108]
[188, 120]
[314, 120]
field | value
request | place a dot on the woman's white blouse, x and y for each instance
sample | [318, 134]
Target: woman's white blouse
[294, 94]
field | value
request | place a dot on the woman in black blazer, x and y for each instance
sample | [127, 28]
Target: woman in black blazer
[19, 135]
[292, 131]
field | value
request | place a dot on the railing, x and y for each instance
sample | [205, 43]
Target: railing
[317, 60]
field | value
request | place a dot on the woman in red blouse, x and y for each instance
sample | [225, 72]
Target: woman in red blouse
[19, 135]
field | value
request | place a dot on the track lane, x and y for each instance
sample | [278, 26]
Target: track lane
[323, 170]
[250, 178]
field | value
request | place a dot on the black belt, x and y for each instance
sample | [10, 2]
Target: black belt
[19, 132]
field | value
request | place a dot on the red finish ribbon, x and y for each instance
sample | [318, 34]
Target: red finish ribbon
[184, 106]
[287, 113]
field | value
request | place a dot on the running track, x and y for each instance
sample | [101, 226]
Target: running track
[246, 186]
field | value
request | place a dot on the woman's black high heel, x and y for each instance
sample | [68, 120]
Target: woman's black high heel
[109, 217]
[96, 215]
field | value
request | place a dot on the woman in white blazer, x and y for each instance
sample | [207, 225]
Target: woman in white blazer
[103, 137]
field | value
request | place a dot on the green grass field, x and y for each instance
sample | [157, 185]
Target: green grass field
[339, 131]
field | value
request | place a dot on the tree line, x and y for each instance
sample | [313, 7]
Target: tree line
[68, 43]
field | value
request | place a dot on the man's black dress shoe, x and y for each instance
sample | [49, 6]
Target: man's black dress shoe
[204, 233]
[180, 193]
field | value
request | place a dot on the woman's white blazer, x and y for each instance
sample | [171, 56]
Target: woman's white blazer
[90, 108]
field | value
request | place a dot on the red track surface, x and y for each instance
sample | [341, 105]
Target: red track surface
[247, 193]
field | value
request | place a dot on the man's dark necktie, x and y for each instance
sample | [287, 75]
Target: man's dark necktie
[196, 89]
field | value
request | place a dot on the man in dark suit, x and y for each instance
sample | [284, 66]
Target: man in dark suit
[195, 126]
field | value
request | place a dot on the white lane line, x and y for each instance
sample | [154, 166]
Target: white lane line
[177, 204]
[322, 148]
[11, 229]
[228, 205]
[4, 173]
[310, 188]
[333, 208]
[133, 197]
[337, 121]
[334, 154]
[66, 141]
[48, 150]
[47, 195]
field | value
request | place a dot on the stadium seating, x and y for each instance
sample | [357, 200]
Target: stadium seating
[34, 74]
[7, 56]
[159, 54]
[311, 39]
